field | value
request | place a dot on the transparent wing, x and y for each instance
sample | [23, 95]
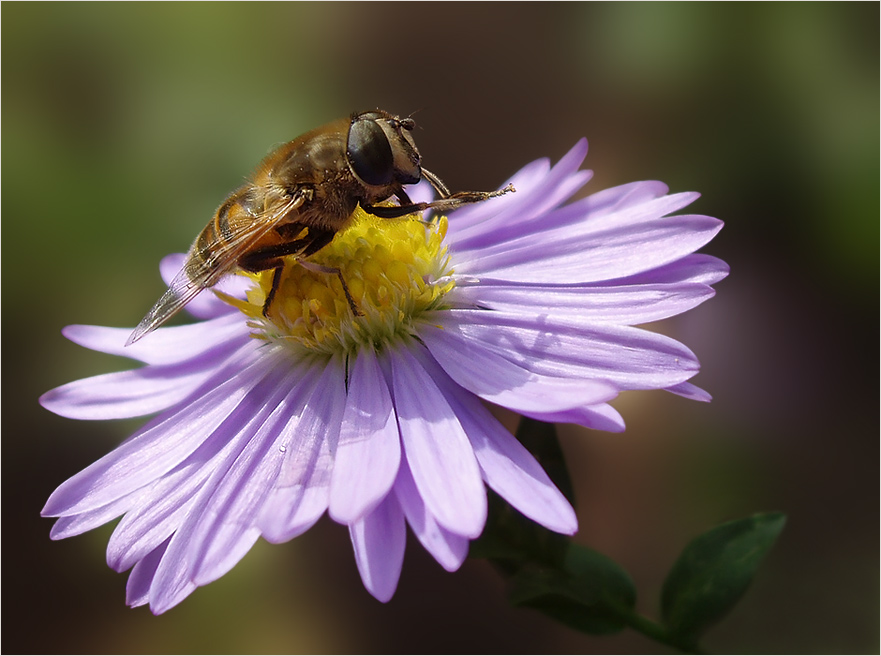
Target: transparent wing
[197, 275]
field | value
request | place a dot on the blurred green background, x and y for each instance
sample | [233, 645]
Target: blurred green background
[124, 126]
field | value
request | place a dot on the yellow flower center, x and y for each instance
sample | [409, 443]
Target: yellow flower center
[395, 270]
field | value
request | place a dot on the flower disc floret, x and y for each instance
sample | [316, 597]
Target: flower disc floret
[396, 270]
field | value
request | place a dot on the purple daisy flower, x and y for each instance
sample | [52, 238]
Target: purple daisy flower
[264, 424]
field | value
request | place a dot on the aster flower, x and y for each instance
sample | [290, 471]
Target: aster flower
[263, 424]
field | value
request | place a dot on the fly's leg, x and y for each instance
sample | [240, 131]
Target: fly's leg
[447, 203]
[271, 257]
[276, 281]
[320, 268]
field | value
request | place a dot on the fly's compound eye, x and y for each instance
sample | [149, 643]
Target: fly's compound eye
[370, 153]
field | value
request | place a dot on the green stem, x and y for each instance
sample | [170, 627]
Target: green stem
[654, 631]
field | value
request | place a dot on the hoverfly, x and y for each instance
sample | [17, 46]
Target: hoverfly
[299, 197]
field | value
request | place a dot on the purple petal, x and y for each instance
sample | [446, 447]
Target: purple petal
[171, 582]
[369, 450]
[448, 549]
[621, 249]
[625, 304]
[137, 591]
[598, 417]
[421, 192]
[132, 393]
[497, 379]
[206, 305]
[227, 547]
[628, 357]
[507, 466]
[527, 178]
[191, 542]
[694, 268]
[690, 391]
[164, 442]
[170, 265]
[165, 345]
[378, 540]
[173, 499]
[480, 226]
[66, 527]
[437, 449]
[528, 206]
[176, 574]
[227, 527]
[168, 503]
[302, 490]
[617, 201]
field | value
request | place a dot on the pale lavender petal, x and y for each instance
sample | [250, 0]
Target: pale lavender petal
[622, 249]
[302, 490]
[163, 443]
[526, 179]
[608, 201]
[125, 394]
[529, 206]
[65, 527]
[421, 192]
[171, 582]
[694, 268]
[295, 522]
[616, 200]
[378, 540]
[692, 392]
[150, 524]
[628, 357]
[599, 417]
[175, 575]
[174, 495]
[625, 218]
[507, 466]
[447, 548]
[170, 265]
[236, 541]
[205, 305]
[621, 304]
[170, 345]
[137, 591]
[437, 449]
[530, 214]
[637, 202]
[497, 379]
[369, 450]
[227, 527]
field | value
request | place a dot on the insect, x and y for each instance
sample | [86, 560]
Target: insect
[300, 196]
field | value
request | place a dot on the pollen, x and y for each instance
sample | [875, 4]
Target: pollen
[395, 270]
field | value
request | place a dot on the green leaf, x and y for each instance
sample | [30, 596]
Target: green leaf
[714, 571]
[591, 593]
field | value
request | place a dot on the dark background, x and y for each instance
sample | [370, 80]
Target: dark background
[124, 126]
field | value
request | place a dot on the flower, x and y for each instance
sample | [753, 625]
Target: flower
[265, 423]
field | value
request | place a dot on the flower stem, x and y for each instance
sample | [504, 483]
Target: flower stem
[658, 633]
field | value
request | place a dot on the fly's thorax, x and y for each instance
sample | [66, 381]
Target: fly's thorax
[394, 269]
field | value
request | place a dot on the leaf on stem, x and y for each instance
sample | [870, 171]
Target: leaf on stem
[714, 571]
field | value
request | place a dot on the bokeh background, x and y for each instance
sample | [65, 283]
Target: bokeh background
[125, 125]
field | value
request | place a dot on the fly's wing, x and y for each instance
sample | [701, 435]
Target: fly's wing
[196, 275]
